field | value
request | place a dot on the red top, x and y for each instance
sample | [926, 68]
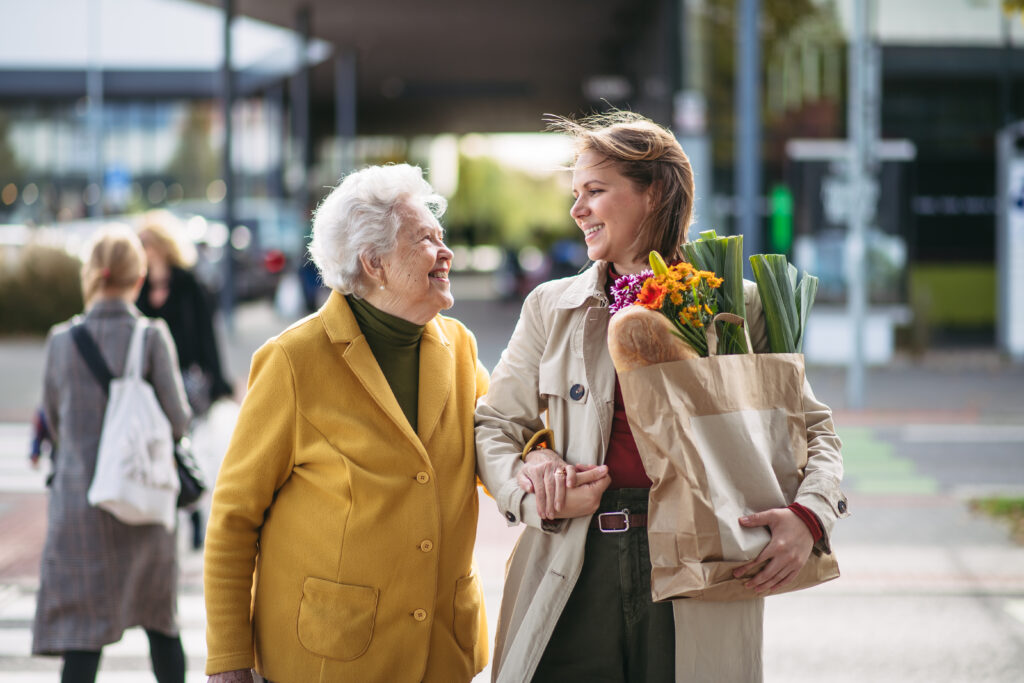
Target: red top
[623, 459]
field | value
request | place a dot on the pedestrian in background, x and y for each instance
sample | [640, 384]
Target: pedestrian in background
[340, 544]
[172, 292]
[577, 602]
[100, 576]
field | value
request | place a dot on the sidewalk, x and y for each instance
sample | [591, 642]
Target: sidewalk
[929, 591]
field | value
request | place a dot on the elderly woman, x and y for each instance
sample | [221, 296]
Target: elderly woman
[341, 533]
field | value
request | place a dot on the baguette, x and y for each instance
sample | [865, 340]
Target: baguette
[638, 337]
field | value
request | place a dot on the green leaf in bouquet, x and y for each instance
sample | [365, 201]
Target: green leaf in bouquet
[805, 294]
[771, 272]
[724, 257]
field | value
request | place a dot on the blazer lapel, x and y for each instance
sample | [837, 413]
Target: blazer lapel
[437, 370]
[341, 327]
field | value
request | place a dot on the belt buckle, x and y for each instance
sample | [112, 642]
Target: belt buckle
[624, 513]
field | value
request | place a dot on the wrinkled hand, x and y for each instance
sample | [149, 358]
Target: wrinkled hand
[237, 676]
[786, 553]
[549, 478]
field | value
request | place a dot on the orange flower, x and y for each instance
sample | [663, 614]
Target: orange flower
[652, 295]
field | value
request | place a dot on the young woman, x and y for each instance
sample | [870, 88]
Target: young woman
[100, 576]
[577, 602]
[173, 293]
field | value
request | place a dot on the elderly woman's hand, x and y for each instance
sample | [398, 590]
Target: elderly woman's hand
[237, 676]
[786, 553]
[549, 477]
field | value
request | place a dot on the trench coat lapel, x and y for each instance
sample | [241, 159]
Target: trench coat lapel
[342, 328]
[437, 369]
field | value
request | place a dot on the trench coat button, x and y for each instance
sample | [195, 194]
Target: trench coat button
[427, 545]
[420, 615]
[510, 517]
[576, 392]
[842, 506]
[422, 477]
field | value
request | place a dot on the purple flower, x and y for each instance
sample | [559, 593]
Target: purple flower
[625, 290]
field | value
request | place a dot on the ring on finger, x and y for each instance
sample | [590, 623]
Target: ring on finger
[560, 472]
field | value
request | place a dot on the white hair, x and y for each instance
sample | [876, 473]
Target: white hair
[362, 217]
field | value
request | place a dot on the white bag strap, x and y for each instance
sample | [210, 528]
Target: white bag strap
[133, 368]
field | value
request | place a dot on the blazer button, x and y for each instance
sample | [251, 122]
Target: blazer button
[510, 517]
[842, 506]
[427, 546]
[419, 615]
[576, 392]
[422, 477]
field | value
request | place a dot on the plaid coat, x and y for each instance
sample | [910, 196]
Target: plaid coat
[100, 576]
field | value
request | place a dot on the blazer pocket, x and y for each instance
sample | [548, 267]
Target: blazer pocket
[336, 619]
[468, 601]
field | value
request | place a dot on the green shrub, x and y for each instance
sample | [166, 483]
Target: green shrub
[41, 288]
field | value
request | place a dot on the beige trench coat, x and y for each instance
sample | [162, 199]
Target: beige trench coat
[559, 347]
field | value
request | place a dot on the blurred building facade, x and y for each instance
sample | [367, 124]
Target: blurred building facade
[321, 86]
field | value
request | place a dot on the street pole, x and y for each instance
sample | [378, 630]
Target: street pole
[227, 290]
[748, 118]
[94, 108]
[857, 131]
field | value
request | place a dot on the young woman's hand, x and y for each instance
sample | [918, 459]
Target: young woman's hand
[786, 553]
[549, 478]
[583, 498]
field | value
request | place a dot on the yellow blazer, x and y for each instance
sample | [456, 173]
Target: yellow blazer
[340, 542]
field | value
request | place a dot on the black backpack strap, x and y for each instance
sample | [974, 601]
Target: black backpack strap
[92, 356]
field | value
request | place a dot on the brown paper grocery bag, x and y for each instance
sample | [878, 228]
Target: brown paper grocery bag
[720, 437]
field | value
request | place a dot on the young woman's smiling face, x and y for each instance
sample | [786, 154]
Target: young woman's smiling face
[609, 209]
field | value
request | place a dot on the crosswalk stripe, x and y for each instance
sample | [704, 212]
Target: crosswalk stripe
[963, 433]
[16, 474]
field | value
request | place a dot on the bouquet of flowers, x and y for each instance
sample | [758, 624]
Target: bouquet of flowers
[687, 297]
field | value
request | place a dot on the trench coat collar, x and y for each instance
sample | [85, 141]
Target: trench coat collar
[437, 368]
[586, 286]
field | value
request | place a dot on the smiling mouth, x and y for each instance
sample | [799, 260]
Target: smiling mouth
[593, 230]
[439, 275]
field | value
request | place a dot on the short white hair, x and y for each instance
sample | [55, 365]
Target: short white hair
[362, 217]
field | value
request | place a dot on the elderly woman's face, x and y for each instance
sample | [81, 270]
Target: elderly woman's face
[416, 272]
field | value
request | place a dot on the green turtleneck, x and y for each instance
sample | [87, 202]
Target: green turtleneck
[396, 346]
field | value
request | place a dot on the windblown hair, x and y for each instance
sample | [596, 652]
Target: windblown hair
[113, 264]
[362, 216]
[650, 156]
[163, 230]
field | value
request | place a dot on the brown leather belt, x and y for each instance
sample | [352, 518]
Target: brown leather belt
[617, 522]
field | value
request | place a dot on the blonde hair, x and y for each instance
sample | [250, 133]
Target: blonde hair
[114, 262]
[163, 230]
[651, 157]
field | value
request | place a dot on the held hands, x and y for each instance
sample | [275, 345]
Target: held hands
[786, 553]
[563, 491]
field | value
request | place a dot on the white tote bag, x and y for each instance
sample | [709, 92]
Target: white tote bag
[136, 479]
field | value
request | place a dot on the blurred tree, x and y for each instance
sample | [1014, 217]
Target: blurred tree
[778, 19]
[500, 205]
[195, 163]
